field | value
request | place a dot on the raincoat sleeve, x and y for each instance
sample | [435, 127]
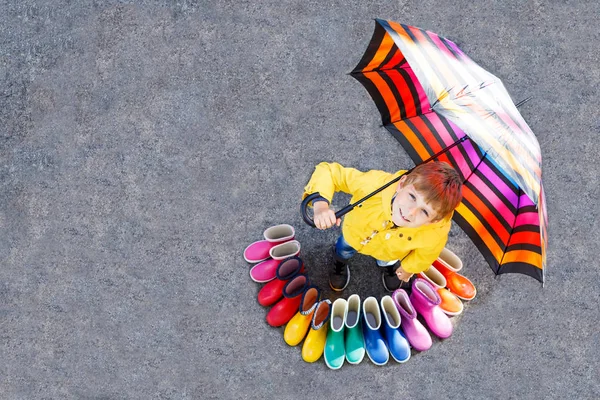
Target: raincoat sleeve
[329, 178]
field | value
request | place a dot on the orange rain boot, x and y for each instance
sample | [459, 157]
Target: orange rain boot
[450, 305]
[448, 264]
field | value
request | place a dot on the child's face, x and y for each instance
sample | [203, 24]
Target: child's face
[409, 209]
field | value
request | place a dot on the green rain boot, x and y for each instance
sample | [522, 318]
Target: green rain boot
[355, 342]
[334, 346]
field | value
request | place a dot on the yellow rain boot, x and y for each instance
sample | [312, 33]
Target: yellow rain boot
[296, 329]
[314, 344]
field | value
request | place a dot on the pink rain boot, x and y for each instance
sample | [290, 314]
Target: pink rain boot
[415, 332]
[426, 302]
[265, 271]
[259, 251]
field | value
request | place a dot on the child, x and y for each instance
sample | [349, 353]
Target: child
[404, 227]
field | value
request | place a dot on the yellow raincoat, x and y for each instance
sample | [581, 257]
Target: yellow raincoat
[369, 228]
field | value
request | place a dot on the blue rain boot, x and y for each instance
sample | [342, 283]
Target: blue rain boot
[395, 339]
[374, 343]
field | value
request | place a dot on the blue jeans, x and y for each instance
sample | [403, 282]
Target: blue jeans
[343, 252]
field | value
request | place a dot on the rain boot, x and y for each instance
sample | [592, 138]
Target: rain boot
[354, 340]
[451, 260]
[273, 290]
[285, 250]
[335, 351]
[458, 284]
[296, 329]
[450, 305]
[259, 251]
[264, 271]
[314, 344]
[395, 339]
[415, 332]
[374, 343]
[426, 302]
[285, 309]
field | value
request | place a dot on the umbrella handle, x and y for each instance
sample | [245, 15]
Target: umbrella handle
[311, 197]
[304, 207]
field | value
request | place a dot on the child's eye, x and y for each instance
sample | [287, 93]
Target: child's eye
[412, 196]
[426, 213]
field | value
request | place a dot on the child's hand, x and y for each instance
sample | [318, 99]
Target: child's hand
[324, 217]
[403, 275]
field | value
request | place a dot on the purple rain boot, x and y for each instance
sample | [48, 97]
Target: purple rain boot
[426, 302]
[415, 332]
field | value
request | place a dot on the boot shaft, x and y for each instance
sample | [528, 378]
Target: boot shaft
[423, 296]
[338, 315]
[353, 311]
[403, 304]
[371, 314]
[391, 315]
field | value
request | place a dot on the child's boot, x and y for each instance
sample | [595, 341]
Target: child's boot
[339, 275]
[273, 290]
[396, 342]
[285, 309]
[335, 351]
[390, 279]
[426, 302]
[313, 346]
[458, 284]
[374, 343]
[415, 332]
[259, 251]
[354, 339]
[296, 329]
[451, 304]
[266, 271]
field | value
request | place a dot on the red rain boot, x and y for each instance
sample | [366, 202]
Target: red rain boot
[283, 311]
[273, 290]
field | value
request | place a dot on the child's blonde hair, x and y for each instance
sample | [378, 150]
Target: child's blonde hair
[439, 184]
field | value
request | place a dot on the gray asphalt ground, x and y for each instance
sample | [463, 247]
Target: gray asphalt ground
[143, 147]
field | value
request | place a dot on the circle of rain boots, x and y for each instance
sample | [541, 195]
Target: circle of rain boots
[348, 329]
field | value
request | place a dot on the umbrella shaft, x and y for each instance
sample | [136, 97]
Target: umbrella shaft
[350, 207]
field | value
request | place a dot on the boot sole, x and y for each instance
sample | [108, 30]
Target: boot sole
[401, 362]
[379, 364]
[345, 286]
[465, 298]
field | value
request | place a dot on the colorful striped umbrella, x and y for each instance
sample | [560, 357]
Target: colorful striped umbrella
[430, 94]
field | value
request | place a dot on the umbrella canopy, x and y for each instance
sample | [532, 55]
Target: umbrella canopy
[430, 94]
